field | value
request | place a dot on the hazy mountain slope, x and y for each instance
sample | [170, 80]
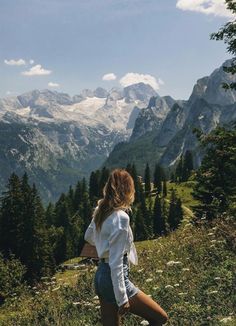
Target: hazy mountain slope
[58, 139]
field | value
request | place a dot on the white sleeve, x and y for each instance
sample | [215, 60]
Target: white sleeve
[89, 235]
[117, 244]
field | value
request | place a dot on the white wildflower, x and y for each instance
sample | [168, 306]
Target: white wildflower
[155, 287]
[144, 322]
[169, 286]
[177, 284]
[88, 304]
[76, 303]
[149, 280]
[185, 269]
[159, 271]
[213, 292]
[226, 319]
[182, 293]
[217, 278]
[140, 270]
[213, 241]
[95, 298]
[211, 233]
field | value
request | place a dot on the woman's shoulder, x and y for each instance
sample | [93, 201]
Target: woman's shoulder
[121, 218]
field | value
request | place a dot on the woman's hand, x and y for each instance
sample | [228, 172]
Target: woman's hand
[124, 309]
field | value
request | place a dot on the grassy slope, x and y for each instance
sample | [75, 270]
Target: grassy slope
[190, 273]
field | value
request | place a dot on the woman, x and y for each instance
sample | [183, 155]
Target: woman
[110, 232]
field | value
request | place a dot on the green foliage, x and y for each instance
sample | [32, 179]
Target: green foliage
[175, 215]
[215, 186]
[147, 179]
[158, 178]
[23, 229]
[190, 273]
[184, 167]
[227, 33]
[11, 277]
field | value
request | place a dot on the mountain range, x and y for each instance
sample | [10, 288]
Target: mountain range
[58, 139]
[164, 130]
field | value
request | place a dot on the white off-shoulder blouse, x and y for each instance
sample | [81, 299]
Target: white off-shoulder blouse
[114, 240]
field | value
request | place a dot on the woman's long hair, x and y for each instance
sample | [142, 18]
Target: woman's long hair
[118, 193]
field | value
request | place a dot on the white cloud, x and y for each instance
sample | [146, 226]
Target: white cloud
[134, 78]
[51, 84]
[207, 7]
[36, 70]
[13, 62]
[31, 61]
[110, 76]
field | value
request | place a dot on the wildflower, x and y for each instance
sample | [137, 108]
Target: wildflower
[185, 269]
[226, 319]
[140, 270]
[177, 284]
[211, 233]
[217, 278]
[155, 287]
[182, 293]
[213, 241]
[149, 280]
[95, 298]
[159, 271]
[169, 286]
[144, 322]
[76, 303]
[213, 292]
[87, 304]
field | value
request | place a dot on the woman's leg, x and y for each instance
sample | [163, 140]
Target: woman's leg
[142, 305]
[109, 314]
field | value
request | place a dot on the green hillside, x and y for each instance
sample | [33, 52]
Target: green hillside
[190, 273]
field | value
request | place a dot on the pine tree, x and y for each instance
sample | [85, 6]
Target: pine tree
[93, 187]
[158, 218]
[158, 177]
[147, 179]
[164, 192]
[179, 169]
[140, 231]
[103, 179]
[175, 215]
[187, 166]
[137, 184]
[77, 196]
[11, 217]
[215, 187]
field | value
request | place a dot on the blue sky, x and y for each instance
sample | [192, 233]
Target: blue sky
[69, 45]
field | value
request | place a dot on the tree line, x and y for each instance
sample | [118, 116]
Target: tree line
[42, 238]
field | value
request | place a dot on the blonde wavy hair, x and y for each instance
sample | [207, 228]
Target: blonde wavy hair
[118, 193]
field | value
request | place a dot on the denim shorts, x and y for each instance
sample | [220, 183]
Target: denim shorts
[103, 282]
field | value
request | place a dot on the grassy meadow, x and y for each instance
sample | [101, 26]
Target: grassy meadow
[190, 273]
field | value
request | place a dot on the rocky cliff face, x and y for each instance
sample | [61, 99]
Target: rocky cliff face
[166, 128]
